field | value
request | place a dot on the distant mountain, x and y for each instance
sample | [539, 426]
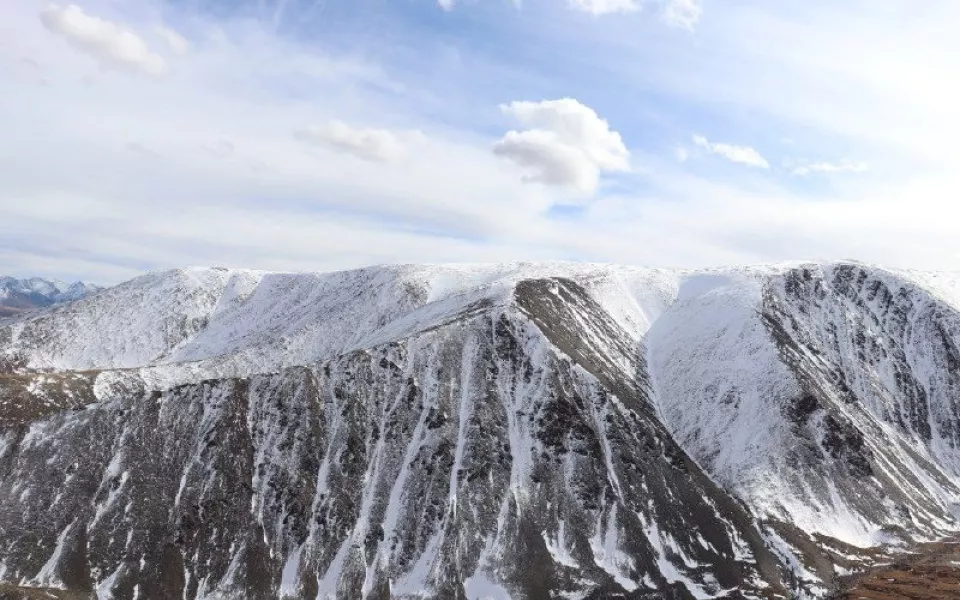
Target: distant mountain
[19, 295]
[517, 431]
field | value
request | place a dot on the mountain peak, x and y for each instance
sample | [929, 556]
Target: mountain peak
[22, 295]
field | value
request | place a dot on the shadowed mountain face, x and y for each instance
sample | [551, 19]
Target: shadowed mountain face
[504, 431]
[21, 295]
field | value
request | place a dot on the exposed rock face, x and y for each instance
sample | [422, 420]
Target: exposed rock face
[808, 358]
[490, 432]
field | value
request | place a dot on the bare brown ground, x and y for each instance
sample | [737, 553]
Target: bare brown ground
[933, 573]
[12, 592]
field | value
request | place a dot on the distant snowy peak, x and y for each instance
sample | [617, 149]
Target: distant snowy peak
[19, 295]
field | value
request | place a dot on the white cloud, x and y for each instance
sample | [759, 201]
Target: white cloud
[682, 13]
[566, 144]
[549, 160]
[377, 145]
[446, 4]
[177, 43]
[110, 43]
[744, 155]
[605, 7]
[220, 149]
[141, 150]
[681, 154]
[844, 166]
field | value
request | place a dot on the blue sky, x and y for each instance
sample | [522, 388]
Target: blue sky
[302, 135]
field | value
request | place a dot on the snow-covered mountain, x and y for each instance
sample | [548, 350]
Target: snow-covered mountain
[482, 431]
[18, 295]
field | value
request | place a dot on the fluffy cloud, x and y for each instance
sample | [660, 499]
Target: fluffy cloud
[566, 144]
[177, 43]
[375, 145]
[844, 166]
[744, 155]
[548, 159]
[110, 43]
[682, 13]
[605, 7]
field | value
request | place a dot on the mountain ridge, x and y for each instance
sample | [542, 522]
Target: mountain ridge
[648, 406]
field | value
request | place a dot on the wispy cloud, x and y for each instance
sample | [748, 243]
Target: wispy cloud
[378, 145]
[844, 166]
[605, 7]
[111, 44]
[682, 13]
[679, 13]
[176, 42]
[744, 155]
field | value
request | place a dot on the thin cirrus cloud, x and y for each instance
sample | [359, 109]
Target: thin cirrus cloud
[111, 44]
[176, 42]
[566, 143]
[605, 7]
[374, 145]
[682, 13]
[744, 155]
[675, 13]
[844, 166]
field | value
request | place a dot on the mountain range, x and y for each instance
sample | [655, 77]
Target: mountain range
[18, 295]
[524, 431]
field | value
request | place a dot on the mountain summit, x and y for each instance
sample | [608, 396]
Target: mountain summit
[516, 431]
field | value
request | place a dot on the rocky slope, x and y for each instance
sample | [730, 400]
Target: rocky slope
[489, 431]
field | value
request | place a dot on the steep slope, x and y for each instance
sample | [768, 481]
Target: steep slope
[895, 346]
[799, 390]
[472, 460]
[130, 325]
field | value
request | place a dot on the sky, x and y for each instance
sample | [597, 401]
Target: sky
[314, 135]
